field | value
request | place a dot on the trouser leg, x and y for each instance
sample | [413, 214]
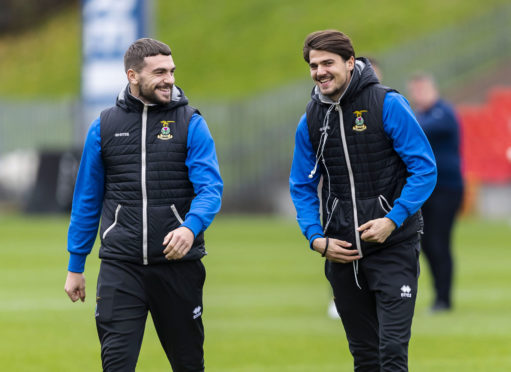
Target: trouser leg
[357, 309]
[439, 214]
[392, 275]
[175, 302]
[121, 314]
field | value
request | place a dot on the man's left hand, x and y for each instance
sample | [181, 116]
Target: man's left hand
[377, 231]
[177, 243]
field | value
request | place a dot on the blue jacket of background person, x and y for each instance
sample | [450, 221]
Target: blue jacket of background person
[442, 128]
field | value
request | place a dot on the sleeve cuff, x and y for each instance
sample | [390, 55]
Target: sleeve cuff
[314, 232]
[194, 224]
[398, 215]
[314, 237]
[76, 263]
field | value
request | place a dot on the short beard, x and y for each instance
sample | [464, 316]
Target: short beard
[151, 96]
[337, 93]
[334, 96]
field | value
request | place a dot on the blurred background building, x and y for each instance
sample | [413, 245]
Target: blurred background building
[241, 65]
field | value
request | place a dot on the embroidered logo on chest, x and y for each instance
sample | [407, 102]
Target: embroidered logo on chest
[165, 130]
[360, 125]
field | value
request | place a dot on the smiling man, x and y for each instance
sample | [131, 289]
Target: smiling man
[149, 170]
[378, 169]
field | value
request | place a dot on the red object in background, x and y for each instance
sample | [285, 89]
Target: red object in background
[486, 137]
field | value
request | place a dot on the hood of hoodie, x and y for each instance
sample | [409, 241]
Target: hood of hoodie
[127, 101]
[362, 76]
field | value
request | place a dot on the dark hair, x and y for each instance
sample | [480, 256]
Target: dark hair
[331, 41]
[146, 47]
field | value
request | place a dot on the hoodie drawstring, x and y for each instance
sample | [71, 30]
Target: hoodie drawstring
[355, 273]
[322, 140]
[319, 153]
[320, 157]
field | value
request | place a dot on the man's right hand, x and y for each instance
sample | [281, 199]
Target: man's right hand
[337, 251]
[75, 286]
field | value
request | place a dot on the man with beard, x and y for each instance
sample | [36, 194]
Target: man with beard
[378, 169]
[149, 170]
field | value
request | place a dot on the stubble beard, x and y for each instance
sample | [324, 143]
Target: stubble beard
[151, 96]
[337, 92]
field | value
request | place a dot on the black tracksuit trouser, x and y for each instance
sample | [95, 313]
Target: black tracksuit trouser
[378, 316]
[439, 213]
[171, 292]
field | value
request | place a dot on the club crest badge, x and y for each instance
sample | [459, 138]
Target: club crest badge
[360, 125]
[165, 130]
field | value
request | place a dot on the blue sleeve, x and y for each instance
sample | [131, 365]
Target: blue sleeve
[204, 173]
[304, 189]
[412, 146]
[87, 201]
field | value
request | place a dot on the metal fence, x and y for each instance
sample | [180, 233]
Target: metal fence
[454, 54]
[255, 142]
[255, 136]
[36, 124]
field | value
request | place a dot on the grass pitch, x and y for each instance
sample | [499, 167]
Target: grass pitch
[265, 303]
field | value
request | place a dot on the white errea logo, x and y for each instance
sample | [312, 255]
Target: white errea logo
[406, 291]
[197, 312]
[124, 134]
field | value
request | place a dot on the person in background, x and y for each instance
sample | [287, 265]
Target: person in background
[149, 170]
[438, 120]
[376, 67]
[378, 169]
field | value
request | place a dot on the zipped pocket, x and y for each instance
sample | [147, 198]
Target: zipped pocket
[176, 213]
[334, 206]
[384, 204]
[114, 223]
